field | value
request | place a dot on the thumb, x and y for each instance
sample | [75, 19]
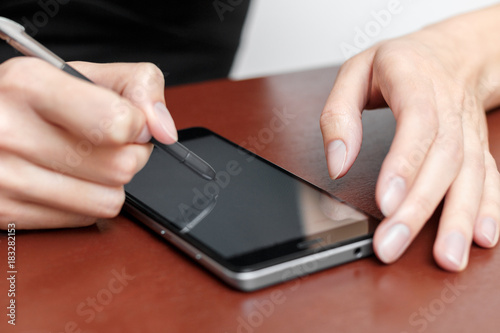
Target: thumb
[144, 86]
[341, 118]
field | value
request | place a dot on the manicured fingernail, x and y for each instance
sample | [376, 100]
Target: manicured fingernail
[395, 241]
[455, 248]
[166, 120]
[336, 155]
[393, 196]
[145, 135]
[489, 230]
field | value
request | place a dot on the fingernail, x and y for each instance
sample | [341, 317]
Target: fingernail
[488, 229]
[455, 248]
[145, 135]
[336, 155]
[395, 241]
[393, 196]
[165, 120]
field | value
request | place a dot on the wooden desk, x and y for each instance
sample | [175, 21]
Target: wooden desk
[139, 283]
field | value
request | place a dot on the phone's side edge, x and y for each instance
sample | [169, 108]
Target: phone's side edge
[253, 280]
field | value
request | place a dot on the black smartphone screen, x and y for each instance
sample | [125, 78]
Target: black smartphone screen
[252, 215]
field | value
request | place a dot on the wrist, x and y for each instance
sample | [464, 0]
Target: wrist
[473, 39]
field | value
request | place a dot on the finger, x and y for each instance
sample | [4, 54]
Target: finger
[86, 158]
[73, 104]
[341, 118]
[102, 165]
[486, 231]
[417, 121]
[27, 215]
[451, 249]
[143, 84]
[412, 140]
[438, 171]
[47, 188]
[416, 129]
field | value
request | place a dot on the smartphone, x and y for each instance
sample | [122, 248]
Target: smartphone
[255, 224]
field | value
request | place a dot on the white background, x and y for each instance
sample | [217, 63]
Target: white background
[289, 35]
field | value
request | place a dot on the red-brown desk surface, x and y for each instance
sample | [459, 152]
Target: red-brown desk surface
[161, 290]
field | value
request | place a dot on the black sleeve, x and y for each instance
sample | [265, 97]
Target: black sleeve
[189, 40]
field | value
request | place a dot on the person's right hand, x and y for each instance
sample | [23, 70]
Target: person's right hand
[67, 147]
[438, 88]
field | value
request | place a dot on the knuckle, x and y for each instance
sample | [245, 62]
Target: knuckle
[428, 119]
[9, 212]
[148, 80]
[326, 119]
[11, 184]
[389, 52]
[465, 103]
[452, 148]
[8, 133]
[112, 204]
[458, 93]
[422, 207]
[15, 73]
[125, 166]
[490, 204]
[462, 216]
[83, 221]
[151, 73]
[398, 55]
[475, 161]
[453, 119]
[349, 63]
[5, 215]
[124, 121]
[337, 115]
